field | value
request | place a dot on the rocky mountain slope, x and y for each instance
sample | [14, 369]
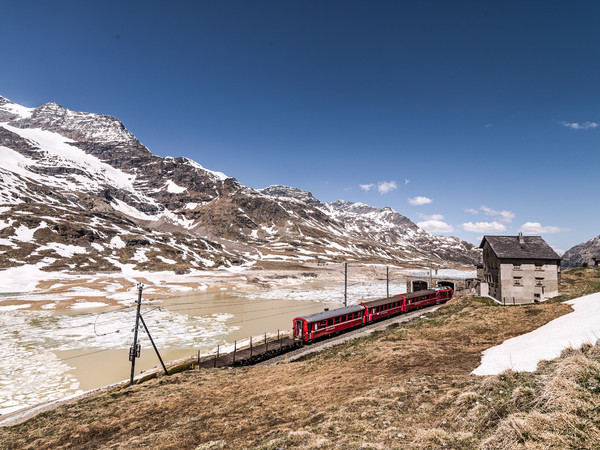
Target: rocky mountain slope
[582, 253]
[79, 192]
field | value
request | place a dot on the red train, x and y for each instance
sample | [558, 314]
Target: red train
[315, 326]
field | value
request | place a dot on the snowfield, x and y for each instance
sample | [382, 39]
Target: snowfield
[523, 353]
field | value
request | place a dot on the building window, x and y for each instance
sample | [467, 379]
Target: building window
[539, 281]
[516, 266]
[517, 281]
[539, 266]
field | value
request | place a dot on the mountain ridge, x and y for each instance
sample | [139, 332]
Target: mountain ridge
[112, 185]
[582, 253]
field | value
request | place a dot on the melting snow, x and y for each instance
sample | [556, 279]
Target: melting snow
[65, 250]
[24, 336]
[58, 150]
[522, 353]
[117, 242]
[174, 188]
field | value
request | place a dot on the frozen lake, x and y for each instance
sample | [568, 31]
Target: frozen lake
[50, 354]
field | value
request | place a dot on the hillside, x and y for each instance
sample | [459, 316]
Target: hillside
[80, 193]
[406, 387]
[582, 253]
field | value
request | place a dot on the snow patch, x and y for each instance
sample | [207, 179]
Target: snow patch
[174, 188]
[523, 353]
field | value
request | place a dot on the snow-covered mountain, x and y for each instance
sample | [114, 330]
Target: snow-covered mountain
[79, 192]
[384, 226]
[582, 253]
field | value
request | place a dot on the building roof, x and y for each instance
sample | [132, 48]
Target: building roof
[510, 247]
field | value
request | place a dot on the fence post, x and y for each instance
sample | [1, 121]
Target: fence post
[234, 350]
[250, 346]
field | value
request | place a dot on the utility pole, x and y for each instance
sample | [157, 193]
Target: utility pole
[387, 278]
[430, 274]
[345, 284]
[134, 351]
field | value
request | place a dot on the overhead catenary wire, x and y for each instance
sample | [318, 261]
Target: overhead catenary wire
[168, 306]
[19, 327]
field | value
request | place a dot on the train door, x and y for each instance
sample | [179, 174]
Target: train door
[298, 330]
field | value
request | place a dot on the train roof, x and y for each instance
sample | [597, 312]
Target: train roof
[371, 303]
[330, 314]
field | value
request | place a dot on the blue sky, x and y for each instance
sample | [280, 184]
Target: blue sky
[469, 117]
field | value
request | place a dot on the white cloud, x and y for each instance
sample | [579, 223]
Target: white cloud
[579, 126]
[502, 216]
[418, 201]
[386, 186]
[436, 226]
[366, 187]
[538, 228]
[406, 181]
[430, 216]
[472, 211]
[484, 227]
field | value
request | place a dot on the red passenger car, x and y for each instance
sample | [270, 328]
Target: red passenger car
[314, 326]
[386, 307]
[426, 297]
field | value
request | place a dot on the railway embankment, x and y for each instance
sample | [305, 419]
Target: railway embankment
[405, 386]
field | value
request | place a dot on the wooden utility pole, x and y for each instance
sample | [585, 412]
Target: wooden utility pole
[430, 274]
[387, 278]
[345, 284]
[134, 351]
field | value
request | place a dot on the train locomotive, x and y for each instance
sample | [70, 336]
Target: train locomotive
[326, 323]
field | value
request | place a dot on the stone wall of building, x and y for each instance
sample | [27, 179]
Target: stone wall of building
[528, 281]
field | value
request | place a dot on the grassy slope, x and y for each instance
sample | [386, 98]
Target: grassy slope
[406, 387]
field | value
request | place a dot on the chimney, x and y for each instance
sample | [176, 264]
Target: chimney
[521, 240]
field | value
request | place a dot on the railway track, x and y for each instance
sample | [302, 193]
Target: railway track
[316, 347]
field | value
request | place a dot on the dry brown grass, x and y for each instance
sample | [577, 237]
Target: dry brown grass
[407, 387]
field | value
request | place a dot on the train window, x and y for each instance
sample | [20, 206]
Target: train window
[323, 324]
[329, 322]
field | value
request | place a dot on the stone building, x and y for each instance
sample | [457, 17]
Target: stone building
[518, 269]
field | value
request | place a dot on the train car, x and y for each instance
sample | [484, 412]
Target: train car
[315, 326]
[390, 306]
[426, 297]
[383, 307]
